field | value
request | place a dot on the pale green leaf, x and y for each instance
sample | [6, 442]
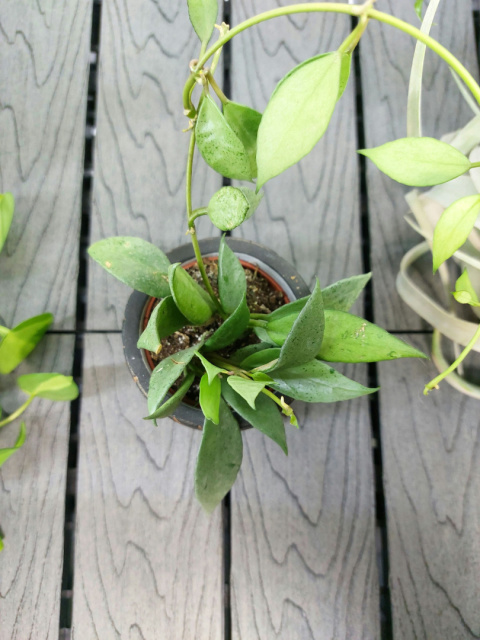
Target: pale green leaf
[453, 228]
[210, 398]
[211, 370]
[21, 340]
[464, 292]
[191, 300]
[164, 320]
[53, 386]
[248, 389]
[6, 453]
[418, 8]
[7, 206]
[230, 206]
[203, 14]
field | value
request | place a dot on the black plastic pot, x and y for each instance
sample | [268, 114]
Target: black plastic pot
[265, 259]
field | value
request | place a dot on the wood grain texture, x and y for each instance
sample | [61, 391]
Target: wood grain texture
[140, 149]
[44, 49]
[303, 557]
[32, 499]
[147, 559]
[386, 56]
[432, 483]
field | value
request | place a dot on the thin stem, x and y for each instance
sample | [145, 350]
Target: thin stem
[201, 267]
[474, 164]
[351, 41]
[202, 211]
[433, 384]
[213, 83]
[13, 416]
[188, 181]
[258, 316]
[257, 323]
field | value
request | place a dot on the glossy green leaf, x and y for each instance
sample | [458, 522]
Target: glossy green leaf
[419, 162]
[259, 376]
[343, 294]
[232, 285]
[316, 381]
[248, 389]
[219, 459]
[453, 228]
[6, 453]
[192, 301]
[135, 262]
[297, 114]
[164, 320]
[210, 398]
[53, 386]
[165, 374]
[203, 14]
[171, 403]
[244, 122]
[230, 206]
[210, 369]
[231, 328]
[265, 417]
[21, 340]
[464, 292]
[219, 145]
[7, 207]
[261, 358]
[245, 352]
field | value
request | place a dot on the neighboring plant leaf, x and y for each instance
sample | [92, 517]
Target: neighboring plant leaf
[53, 386]
[342, 295]
[203, 14]
[168, 407]
[464, 292]
[219, 145]
[165, 374]
[231, 328]
[453, 228]
[297, 114]
[244, 122]
[6, 453]
[232, 285]
[265, 417]
[230, 206]
[261, 358]
[211, 370]
[418, 162]
[210, 398]
[164, 320]
[219, 459]
[21, 340]
[191, 300]
[248, 389]
[135, 262]
[418, 8]
[7, 207]
[316, 381]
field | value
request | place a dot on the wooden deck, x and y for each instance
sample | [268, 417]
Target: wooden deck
[371, 527]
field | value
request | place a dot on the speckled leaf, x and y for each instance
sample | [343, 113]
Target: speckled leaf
[168, 407]
[53, 386]
[232, 285]
[192, 301]
[6, 453]
[135, 262]
[203, 14]
[165, 320]
[341, 295]
[230, 206]
[7, 206]
[21, 340]
[244, 122]
[210, 398]
[231, 329]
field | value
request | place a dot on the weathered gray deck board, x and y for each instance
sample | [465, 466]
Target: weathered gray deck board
[303, 557]
[385, 63]
[432, 482]
[148, 560]
[32, 499]
[140, 149]
[43, 76]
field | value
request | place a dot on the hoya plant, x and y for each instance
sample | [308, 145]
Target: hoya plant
[294, 346]
[15, 345]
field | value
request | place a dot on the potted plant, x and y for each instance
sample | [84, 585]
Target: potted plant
[245, 363]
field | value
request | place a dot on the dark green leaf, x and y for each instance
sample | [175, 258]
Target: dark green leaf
[219, 459]
[232, 285]
[165, 320]
[453, 228]
[245, 352]
[261, 358]
[203, 14]
[230, 206]
[6, 453]
[231, 329]
[341, 295]
[265, 417]
[135, 262]
[316, 382]
[210, 398]
[248, 389]
[53, 386]
[192, 301]
[219, 145]
[7, 206]
[244, 122]
[211, 370]
[21, 340]
[171, 403]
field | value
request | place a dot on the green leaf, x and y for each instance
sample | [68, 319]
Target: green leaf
[232, 285]
[211, 370]
[341, 295]
[192, 301]
[344, 72]
[464, 292]
[53, 386]
[21, 340]
[203, 14]
[418, 8]
[316, 381]
[261, 377]
[419, 162]
[248, 389]
[219, 145]
[6, 453]
[231, 328]
[297, 114]
[261, 358]
[135, 262]
[210, 398]
[265, 417]
[219, 459]
[165, 374]
[453, 228]
[244, 122]
[165, 320]
[305, 337]
[7, 207]
[230, 206]
[168, 407]
[245, 352]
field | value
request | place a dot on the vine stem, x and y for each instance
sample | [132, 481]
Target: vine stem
[13, 416]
